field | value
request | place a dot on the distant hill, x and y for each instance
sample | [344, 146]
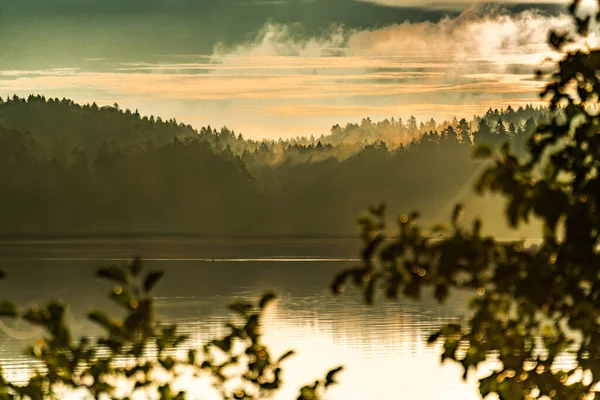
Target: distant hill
[63, 124]
[72, 169]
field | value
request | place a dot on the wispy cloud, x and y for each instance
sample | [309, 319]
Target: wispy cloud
[46, 72]
[456, 4]
[457, 66]
[271, 86]
[446, 110]
[467, 44]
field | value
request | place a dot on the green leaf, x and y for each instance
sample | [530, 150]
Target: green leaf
[441, 292]
[457, 213]
[306, 393]
[101, 319]
[286, 355]
[434, 337]
[267, 299]
[152, 280]
[136, 266]
[35, 316]
[240, 307]
[224, 344]
[378, 211]
[113, 273]
[477, 227]
[369, 291]
[251, 327]
[488, 385]
[167, 363]
[330, 378]
[192, 357]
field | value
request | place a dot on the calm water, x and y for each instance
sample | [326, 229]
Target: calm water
[382, 347]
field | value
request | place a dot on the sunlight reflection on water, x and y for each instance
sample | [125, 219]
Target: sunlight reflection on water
[383, 348]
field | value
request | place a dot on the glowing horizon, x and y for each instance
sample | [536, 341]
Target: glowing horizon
[275, 82]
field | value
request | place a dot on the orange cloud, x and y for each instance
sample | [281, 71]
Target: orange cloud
[461, 66]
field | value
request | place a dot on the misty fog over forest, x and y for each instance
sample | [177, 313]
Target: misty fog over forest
[82, 169]
[300, 199]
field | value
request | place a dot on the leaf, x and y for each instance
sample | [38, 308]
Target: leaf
[457, 213]
[180, 340]
[137, 349]
[477, 227]
[112, 273]
[267, 299]
[224, 345]
[114, 345]
[136, 266]
[557, 40]
[286, 355]
[330, 377]
[101, 319]
[167, 363]
[488, 385]
[371, 247]
[251, 327]
[151, 280]
[35, 316]
[370, 291]
[141, 384]
[306, 393]
[192, 357]
[434, 337]
[583, 24]
[441, 292]
[378, 211]
[240, 307]
[412, 290]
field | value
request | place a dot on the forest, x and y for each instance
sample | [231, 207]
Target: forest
[70, 169]
[530, 329]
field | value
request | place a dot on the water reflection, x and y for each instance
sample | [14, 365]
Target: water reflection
[383, 348]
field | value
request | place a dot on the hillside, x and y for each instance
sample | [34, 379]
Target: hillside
[61, 125]
[71, 169]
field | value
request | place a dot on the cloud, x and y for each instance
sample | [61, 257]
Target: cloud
[457, 66]
[471, 43]
[47, 72]
[348, 111]
[278, 40]
[270, 86]
[470, 37]
[457, 4]
[496, 36]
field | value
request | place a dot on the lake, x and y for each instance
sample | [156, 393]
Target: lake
[383, 347]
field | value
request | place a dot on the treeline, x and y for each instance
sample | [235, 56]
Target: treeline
[493, 128]
[58, 126]
[72, 169]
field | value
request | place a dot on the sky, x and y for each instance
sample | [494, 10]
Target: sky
[278, 68]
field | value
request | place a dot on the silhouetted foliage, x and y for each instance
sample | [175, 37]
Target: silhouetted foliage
[533, 305]
[86, 169]
[62, 125]
[137, 354]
